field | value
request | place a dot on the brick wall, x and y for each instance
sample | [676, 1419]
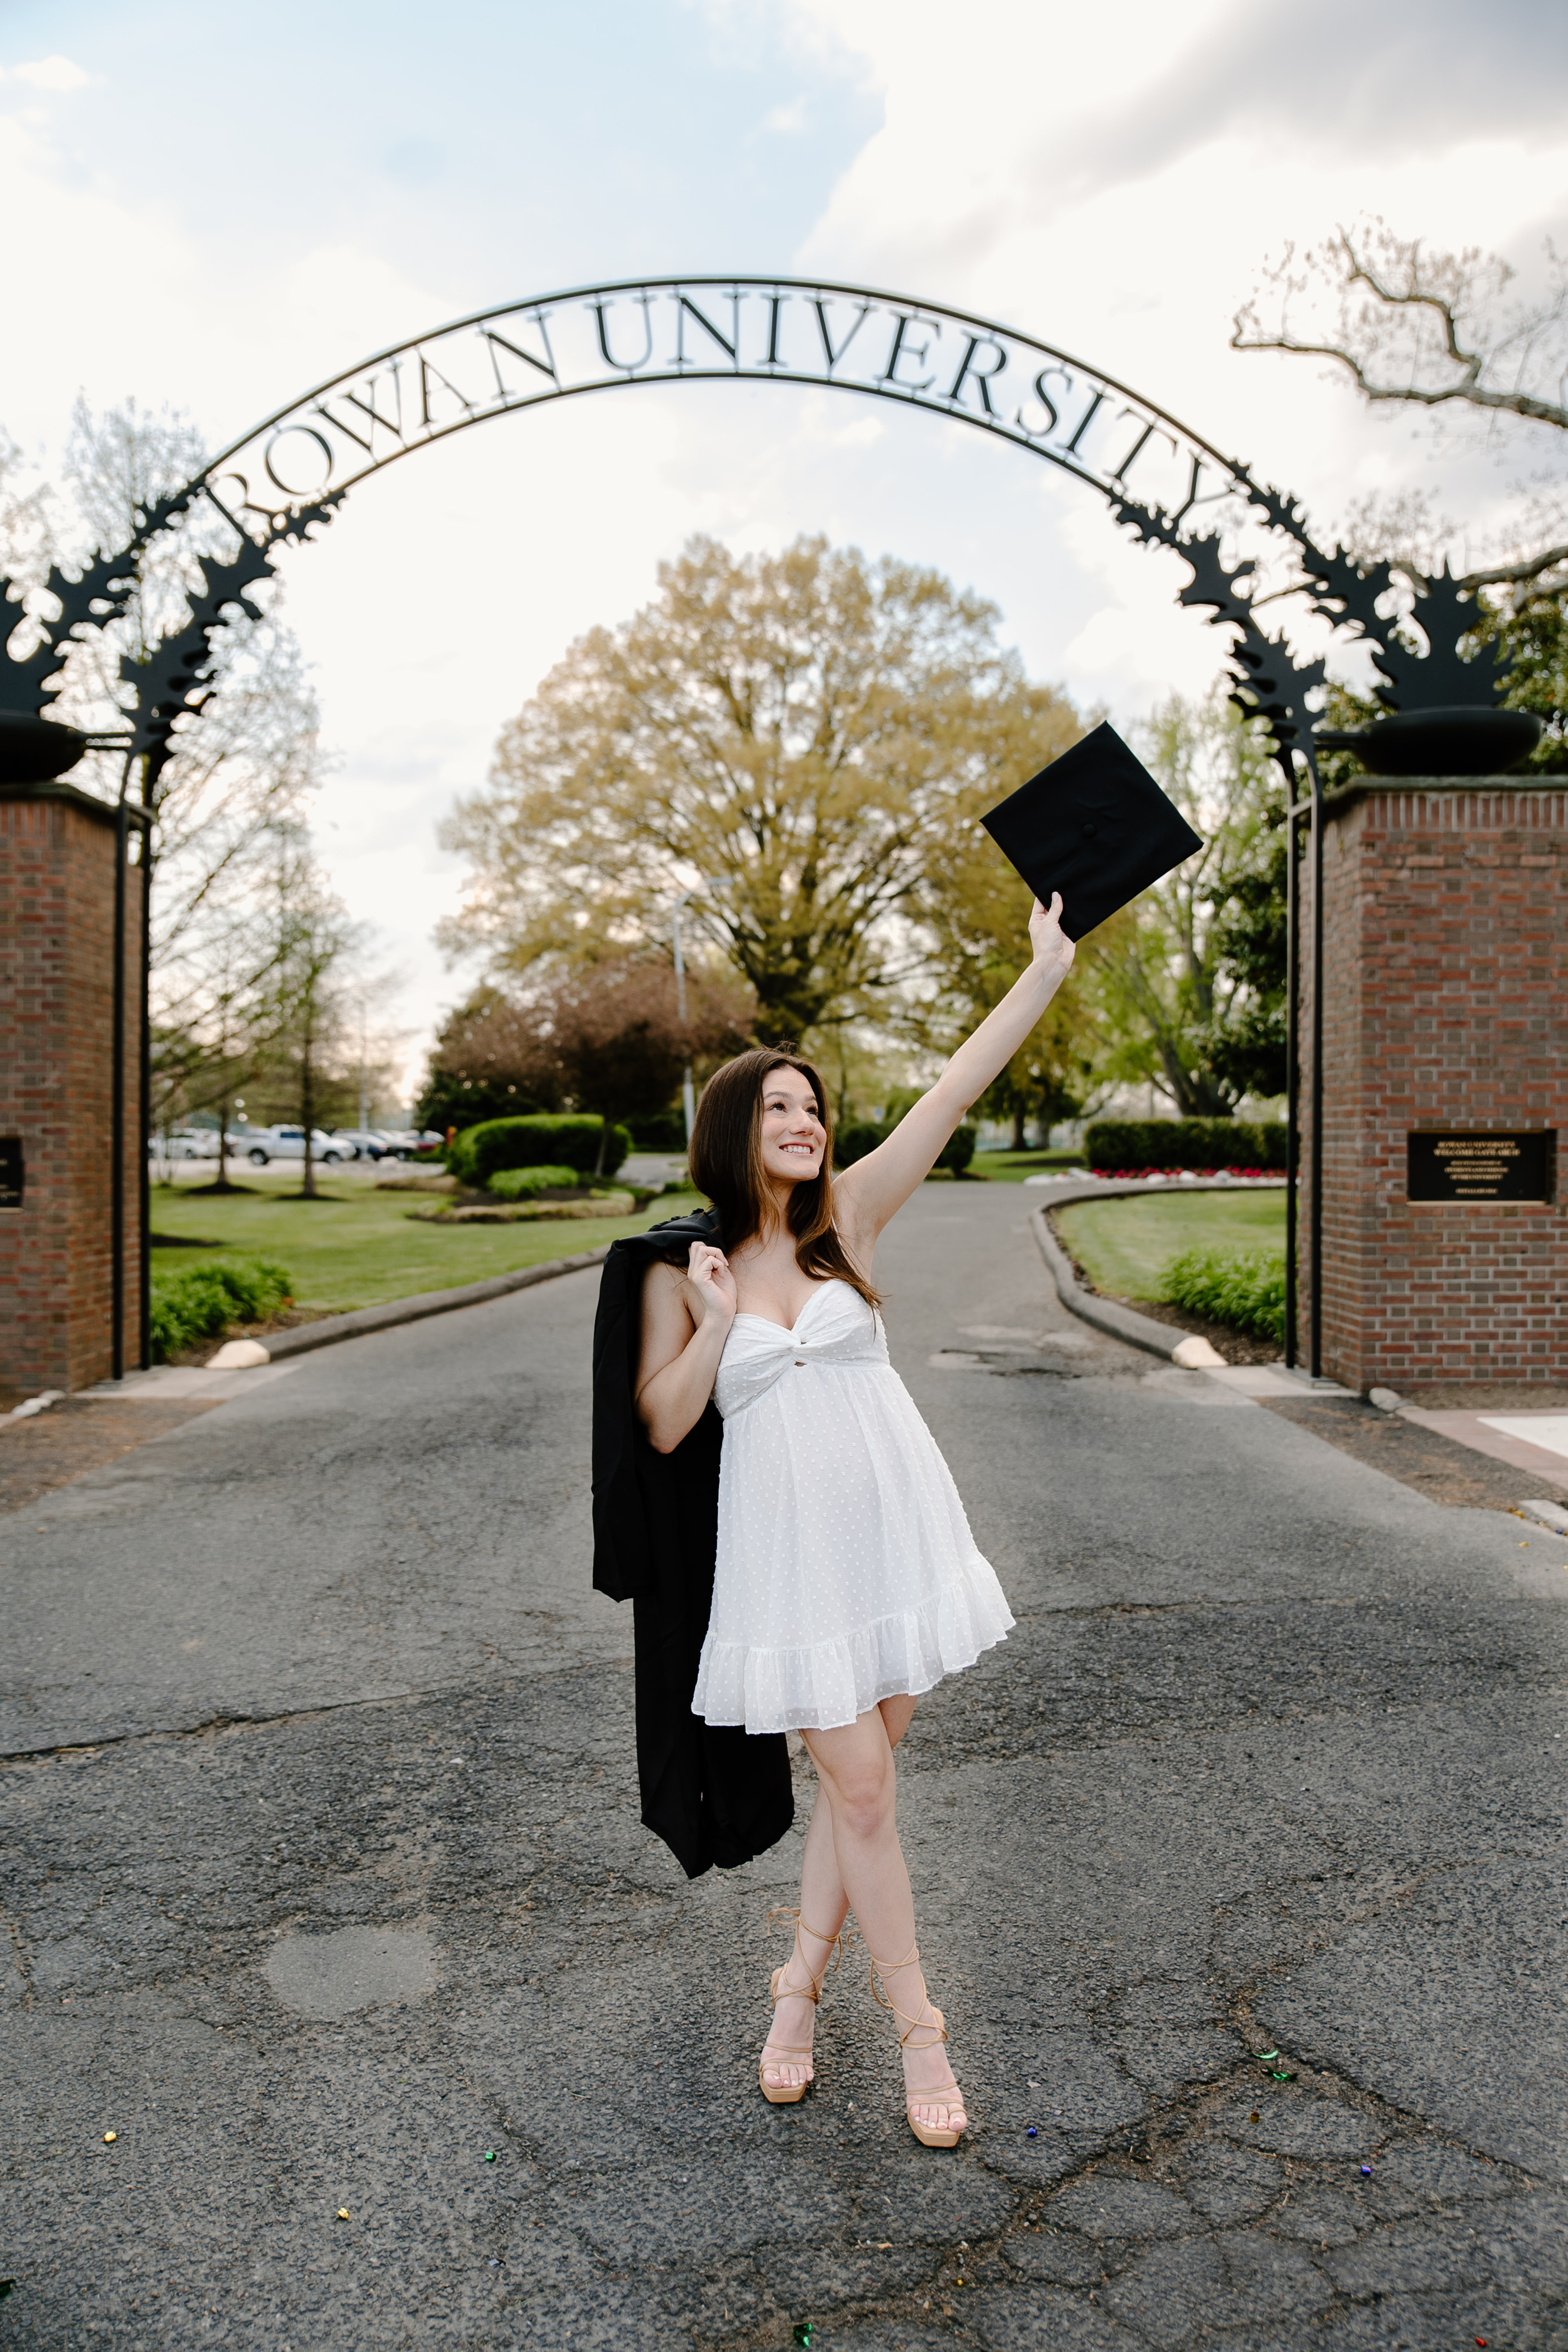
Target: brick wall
[57, 957]
[1445, 1005]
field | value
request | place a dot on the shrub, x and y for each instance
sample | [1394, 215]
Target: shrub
[202, 1301]
[857, 1137]
[1244, 1288]
[1124, 1144]
[547, 1139]
[658, 1130]
[523, 1183]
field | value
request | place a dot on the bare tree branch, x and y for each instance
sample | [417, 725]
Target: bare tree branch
[1436, 333]
[1505, 575]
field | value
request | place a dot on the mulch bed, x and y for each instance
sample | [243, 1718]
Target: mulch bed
[1437, 1466]
[78, 1434]
[1235, 1347]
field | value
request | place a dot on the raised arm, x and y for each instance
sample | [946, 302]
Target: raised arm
[685, 1318]
[867, 1195]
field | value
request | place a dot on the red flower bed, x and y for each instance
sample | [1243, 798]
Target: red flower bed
[1174, 1175]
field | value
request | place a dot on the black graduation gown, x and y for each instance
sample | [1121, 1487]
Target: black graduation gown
[713, 1793]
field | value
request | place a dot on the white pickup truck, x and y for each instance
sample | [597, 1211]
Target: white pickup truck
[261, 1144]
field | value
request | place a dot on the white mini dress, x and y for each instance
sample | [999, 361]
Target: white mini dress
[846, 1570]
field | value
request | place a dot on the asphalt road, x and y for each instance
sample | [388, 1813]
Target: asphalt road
[326, 1894]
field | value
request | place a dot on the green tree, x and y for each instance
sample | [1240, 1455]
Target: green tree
[808, 729]
[309, 975]
[1189, 979]
[607, 1037]
[974, 913]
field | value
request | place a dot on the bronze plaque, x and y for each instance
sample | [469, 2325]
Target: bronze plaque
[1482, 1166]
[11, 1171]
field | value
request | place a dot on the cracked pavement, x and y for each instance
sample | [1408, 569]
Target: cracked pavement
[325, 1893]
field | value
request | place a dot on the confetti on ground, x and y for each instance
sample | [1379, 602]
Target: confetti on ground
[1033, 2132]
[803, 2335]
[110, 2139]
[489, 2156]
[1367, 2171]
[343, 2212]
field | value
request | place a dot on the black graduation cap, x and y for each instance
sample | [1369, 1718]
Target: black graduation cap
[1094, 825]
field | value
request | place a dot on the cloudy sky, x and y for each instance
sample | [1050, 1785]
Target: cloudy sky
[214, 209]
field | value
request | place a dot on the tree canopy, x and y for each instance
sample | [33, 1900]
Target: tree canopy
[803, 736]
[1189, 980]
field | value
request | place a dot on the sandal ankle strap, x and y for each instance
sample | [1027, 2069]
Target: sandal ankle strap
[814, 1981]
[935, 2025]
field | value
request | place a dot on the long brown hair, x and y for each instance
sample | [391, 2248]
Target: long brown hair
[726, 1162]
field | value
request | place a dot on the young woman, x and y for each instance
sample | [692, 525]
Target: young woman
[846, 1581]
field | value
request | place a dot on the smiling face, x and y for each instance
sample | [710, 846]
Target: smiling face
[791, 1138]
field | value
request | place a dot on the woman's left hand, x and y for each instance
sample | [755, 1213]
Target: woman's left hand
[1051, 944]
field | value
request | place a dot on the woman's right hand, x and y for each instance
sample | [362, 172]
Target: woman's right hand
[709, 1288]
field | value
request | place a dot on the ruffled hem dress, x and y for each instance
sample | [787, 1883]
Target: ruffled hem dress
[846, 1570]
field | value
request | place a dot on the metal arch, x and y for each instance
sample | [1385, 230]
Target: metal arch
[1271, 682]
[363, 435]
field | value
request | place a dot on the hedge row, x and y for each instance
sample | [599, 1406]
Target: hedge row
[857, 1137]
[545, 1140]
[1121, 1144]
[1244, 1288]
[527, 1184]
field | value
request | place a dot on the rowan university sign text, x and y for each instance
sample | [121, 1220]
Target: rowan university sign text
[765, 329]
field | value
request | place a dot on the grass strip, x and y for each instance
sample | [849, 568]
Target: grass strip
[1126, 1244]
[357, 1247]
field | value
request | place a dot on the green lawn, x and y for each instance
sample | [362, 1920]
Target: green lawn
[1126, 1244]
[1012, 1167]
[357, 1247]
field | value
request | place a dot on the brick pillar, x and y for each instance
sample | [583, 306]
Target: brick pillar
[1445, 1007]
[57, 962]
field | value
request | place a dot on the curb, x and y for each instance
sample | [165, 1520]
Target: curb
[1162, 1340]
[363, 1320]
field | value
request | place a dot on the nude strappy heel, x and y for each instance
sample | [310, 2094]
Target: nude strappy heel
[946, 2096]
[784, 2054]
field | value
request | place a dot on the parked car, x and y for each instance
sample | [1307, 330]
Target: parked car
[408, 1143]
[262, 1144]
[189, 1143]
[365, 1144]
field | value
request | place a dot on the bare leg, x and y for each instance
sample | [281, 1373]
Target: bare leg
[860, 1782]
[823, 1902]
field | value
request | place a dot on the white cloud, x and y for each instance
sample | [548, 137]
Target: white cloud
[47, 73]
[1106, 181]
